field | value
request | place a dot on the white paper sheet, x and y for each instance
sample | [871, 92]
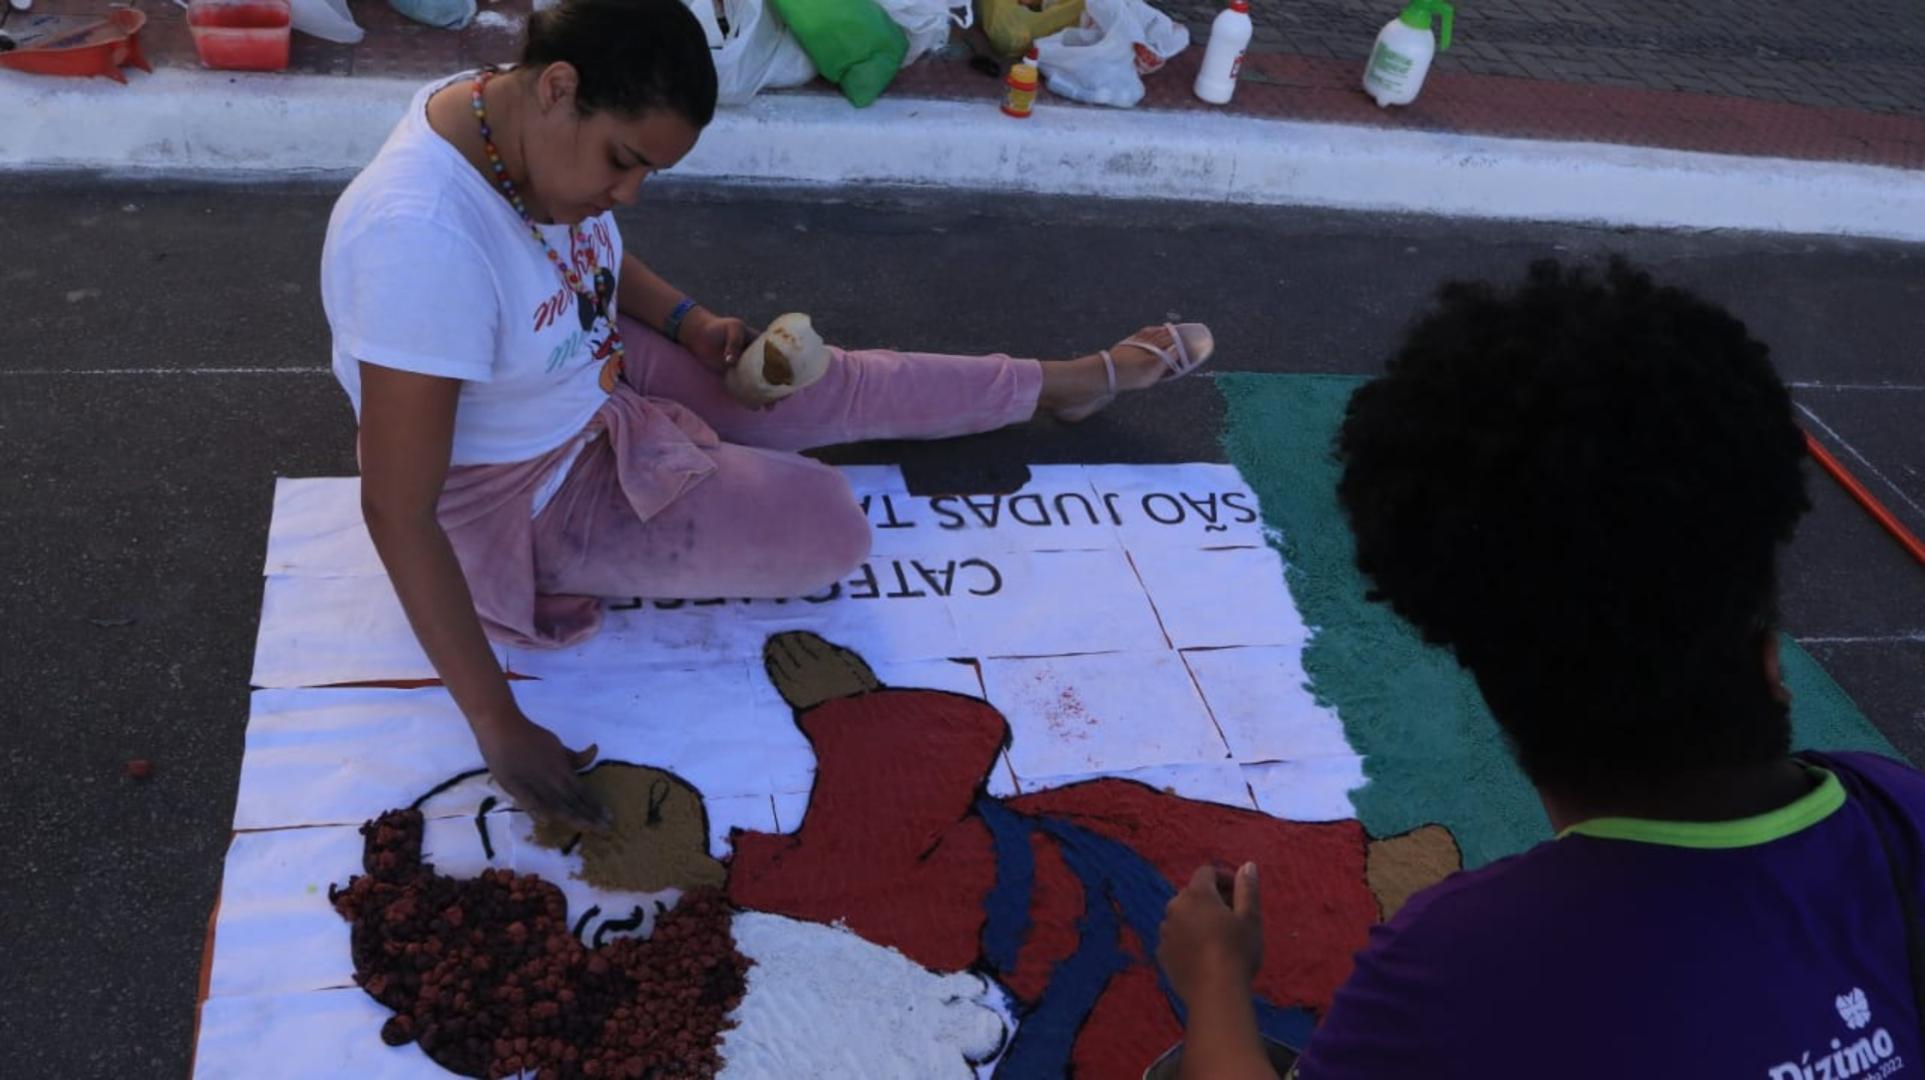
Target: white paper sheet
[1316, 789]
[321, 631]
[1052, 603]
[276, 932]
[1209, 598]
[1075, 715]
[1263, 706]
[321, 1035]
[340, 756]
[317, 530]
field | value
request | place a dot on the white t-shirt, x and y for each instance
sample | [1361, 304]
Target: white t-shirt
[427, 268]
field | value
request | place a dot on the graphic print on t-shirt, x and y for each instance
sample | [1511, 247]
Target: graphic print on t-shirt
[1856, 1053]
[604, 350]
[592, 251]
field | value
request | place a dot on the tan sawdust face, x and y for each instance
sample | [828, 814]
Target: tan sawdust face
[658, 838]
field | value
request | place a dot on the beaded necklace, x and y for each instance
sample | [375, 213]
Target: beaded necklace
[569, 275]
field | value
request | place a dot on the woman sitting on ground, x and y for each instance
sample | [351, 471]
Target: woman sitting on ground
[543, 419]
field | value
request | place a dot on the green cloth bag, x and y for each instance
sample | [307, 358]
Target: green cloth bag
[853, 43]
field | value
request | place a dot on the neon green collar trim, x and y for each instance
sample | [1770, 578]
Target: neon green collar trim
[1808, 810]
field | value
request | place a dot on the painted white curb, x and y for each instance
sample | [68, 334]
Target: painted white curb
[206, 123]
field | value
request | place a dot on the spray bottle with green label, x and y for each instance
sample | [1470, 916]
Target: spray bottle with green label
[1404, 50]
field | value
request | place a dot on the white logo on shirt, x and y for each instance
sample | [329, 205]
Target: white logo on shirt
[1874, 1056]
[1856, 1011]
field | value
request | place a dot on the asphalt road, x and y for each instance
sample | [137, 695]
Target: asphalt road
[162, 360]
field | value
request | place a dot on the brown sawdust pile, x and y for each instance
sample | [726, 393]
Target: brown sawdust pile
[485, 975]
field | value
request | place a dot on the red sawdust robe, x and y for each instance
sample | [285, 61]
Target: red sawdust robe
[892, 847]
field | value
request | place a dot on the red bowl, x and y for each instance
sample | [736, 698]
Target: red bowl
[102, 47]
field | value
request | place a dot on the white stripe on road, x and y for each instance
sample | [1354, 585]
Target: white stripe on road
[1853, 386]
[1853, 451]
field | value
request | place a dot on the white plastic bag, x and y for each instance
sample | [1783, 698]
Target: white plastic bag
[1103, 61]
[1158, 37]
[328, 20]
[926, 22]
[756, 51]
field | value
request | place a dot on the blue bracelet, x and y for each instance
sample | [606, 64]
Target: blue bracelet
[674, 326]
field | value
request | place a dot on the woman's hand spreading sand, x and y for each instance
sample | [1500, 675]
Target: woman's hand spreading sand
[536, 770]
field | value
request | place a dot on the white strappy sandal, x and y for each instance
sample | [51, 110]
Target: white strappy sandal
[1191, 347]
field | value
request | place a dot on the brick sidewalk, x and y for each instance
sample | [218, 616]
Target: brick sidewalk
[1704, 75]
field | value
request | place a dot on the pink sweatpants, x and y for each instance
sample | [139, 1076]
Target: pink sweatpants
[767, 522]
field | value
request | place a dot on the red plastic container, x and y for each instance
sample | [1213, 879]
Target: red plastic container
[241, 35]
[77, 45]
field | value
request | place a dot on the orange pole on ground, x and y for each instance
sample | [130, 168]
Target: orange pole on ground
[1866, 499]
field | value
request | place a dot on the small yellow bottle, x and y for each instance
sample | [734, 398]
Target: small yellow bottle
[1020, 97]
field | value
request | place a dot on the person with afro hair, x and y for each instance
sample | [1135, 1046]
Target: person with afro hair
[1579, 486]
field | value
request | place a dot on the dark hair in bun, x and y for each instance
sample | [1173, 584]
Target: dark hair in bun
[632, 56]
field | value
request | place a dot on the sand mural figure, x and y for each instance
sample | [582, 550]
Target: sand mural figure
[888, 935]
[619, 956]
[1057, 895]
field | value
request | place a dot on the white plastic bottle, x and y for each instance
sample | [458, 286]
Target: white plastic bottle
[1404, 49]
[1223, 56]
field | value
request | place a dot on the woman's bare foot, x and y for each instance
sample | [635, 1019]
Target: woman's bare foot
[1077, 389]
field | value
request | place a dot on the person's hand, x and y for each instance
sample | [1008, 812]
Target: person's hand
[715, 340]
[543, 777]
[1208, 947]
